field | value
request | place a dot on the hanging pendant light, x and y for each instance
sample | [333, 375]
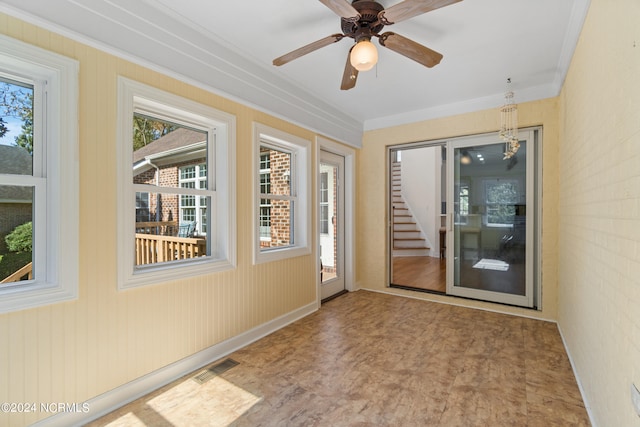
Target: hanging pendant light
[509, 124]
[465, 159]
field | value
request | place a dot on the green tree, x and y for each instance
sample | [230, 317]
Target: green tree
[17, 102]
[3, 127]
[146, 130]
[25, 139]
[20, 239]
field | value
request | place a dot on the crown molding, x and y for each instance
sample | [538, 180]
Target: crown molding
[188, 54]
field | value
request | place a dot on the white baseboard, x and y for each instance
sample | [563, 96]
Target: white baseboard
[114, 399]
[575, 374]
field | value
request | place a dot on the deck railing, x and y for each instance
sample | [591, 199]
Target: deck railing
[151, 249]
[27, 271]
[161, 228]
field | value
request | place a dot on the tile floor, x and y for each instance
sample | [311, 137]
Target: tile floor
[370, 359]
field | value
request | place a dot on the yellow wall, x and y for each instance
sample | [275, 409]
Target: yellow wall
[71, 352]
[599, 210]
[371, 249]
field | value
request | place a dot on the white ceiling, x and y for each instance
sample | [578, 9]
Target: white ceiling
[228, 46]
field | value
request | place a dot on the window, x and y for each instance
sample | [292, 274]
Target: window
[501, 197]
[264, 218]
[38, 177]
[142, 207]
[193, 208]
[277, 201]
[281, 195]
[324, 203]
[178, 156]
[462, 202]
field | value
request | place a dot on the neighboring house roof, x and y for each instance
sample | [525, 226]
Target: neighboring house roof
[171, 142]
[15, 160]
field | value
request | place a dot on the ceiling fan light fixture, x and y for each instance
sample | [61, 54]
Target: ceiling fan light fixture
[364, 55]
[361, 20]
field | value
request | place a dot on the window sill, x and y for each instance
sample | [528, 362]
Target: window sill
[280, 254]
[21, 297]
[160, 273]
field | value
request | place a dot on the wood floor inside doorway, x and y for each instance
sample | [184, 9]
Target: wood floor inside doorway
[420, 272]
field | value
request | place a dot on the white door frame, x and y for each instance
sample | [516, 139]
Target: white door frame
[349, 155]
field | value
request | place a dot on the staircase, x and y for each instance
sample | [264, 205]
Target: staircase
[407, 237]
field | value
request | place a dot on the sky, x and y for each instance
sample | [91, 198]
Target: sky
[14, 130]
[13, 124]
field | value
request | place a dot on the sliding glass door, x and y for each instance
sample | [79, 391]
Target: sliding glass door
[490, 220]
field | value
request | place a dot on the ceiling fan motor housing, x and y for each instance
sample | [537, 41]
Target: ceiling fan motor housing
[361, 20]
[368, 11]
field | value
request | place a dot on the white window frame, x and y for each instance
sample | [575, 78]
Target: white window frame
[198, 207]
[135, 97]
[324, 203]
[300, 176]
[55, 175]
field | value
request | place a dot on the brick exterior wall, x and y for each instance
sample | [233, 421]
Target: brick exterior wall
[280, 209]
[280, 164]
[169, 177]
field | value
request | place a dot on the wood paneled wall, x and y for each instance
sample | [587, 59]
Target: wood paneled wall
[71, 352]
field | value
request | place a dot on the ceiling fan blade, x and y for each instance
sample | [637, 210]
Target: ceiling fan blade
[343, 9]
[350, 74]
[410, 8]
[410, 49]
[307, 49]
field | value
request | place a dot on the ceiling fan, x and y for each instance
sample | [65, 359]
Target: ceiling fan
[364, 19]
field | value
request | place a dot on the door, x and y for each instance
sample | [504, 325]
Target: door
[490, 220]
[331, 224]
[417, 175]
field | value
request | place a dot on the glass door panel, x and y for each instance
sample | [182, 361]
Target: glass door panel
[417, 186]
[491, 219]
[331, 224]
